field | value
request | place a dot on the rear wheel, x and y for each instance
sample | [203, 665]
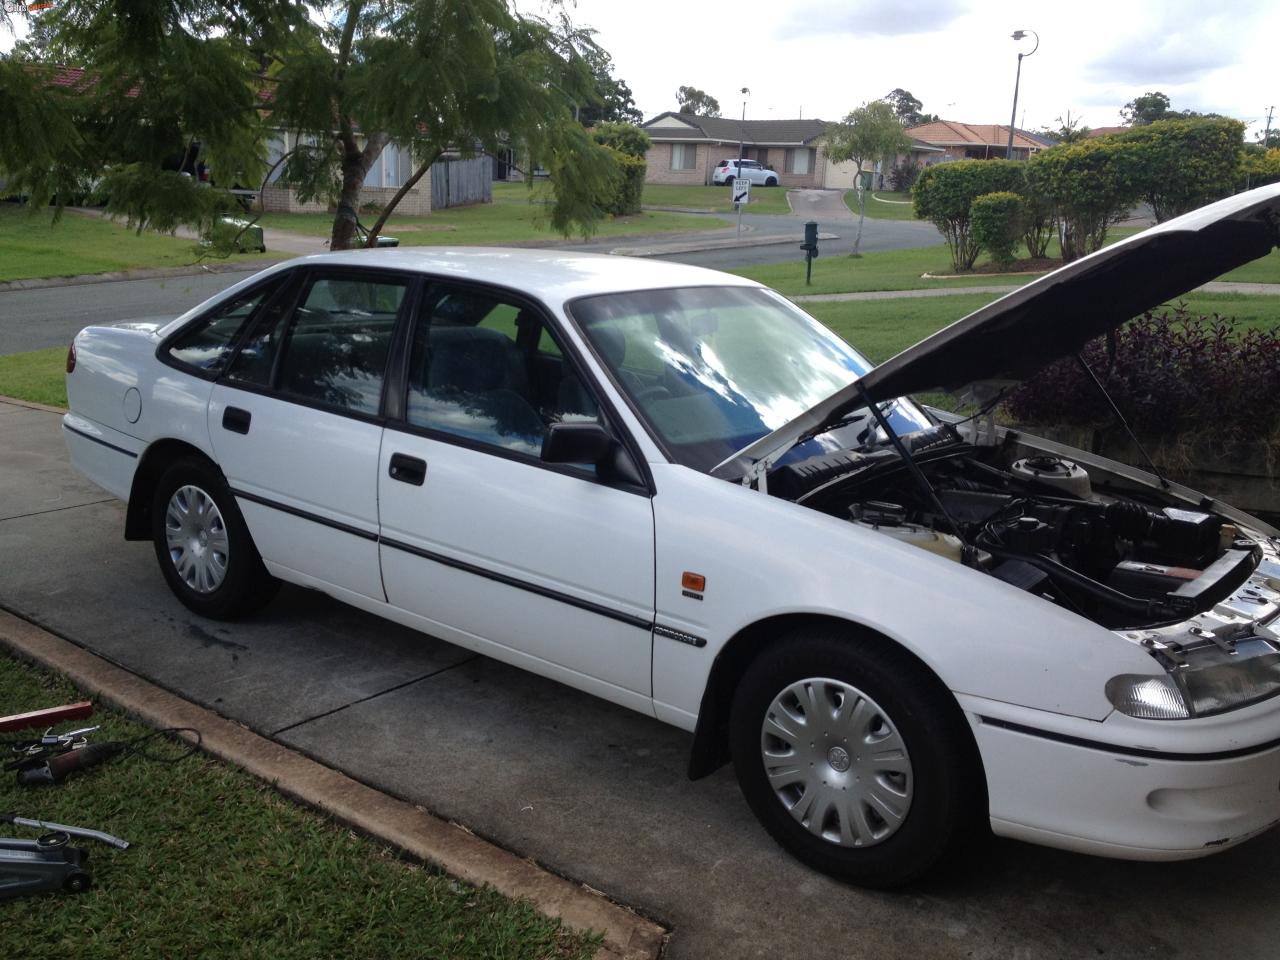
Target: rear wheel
[854, 759]
[203, 546]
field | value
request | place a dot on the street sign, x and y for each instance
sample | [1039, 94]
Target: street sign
[741, 190]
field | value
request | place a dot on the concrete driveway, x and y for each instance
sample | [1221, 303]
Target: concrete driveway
[594, 792]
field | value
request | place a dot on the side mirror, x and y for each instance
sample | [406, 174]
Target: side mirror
[586, 442]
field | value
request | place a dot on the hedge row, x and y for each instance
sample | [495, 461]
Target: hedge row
[1081, 189]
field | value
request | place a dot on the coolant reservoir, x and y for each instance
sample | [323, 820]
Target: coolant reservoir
[1055, 472]
[943, 544]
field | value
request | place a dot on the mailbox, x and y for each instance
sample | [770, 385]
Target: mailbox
[810, 248]
[810, 245]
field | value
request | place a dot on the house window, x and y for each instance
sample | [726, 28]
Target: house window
[800, 160]
[684, 156]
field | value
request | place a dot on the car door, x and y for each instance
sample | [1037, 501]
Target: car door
[546, 566]
[296, 424]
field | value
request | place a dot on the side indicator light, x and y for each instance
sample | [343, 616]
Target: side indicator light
[71, 357]
[693, 581]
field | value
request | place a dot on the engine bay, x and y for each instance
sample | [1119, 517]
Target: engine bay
[1118, 553]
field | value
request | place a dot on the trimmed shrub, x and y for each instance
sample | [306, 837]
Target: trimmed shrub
[997, 219]
[1261, 167]
[628, 190]
[944, 192]
[1178, 165]
[626, 138]
[1088, 186]
[1173, 374]
[1038, 222]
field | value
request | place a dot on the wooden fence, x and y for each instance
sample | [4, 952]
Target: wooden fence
[458, 182]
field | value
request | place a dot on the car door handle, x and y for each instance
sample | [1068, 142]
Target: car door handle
[236, 420]
[407, 469]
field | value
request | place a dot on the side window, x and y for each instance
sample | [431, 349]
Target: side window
[207, 344]
[491, 371]
[332, 349]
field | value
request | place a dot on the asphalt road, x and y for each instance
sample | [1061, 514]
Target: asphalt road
[51, 316]
[595, 792]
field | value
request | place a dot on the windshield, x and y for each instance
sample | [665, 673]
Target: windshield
[713, 369]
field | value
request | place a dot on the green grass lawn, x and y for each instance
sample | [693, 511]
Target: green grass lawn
[882, 270]
[881, 328]
[38, 376]
[515, 216]
[882, 205]
[32, 246]
[223, 866]
[763, 199]
[1264, 270]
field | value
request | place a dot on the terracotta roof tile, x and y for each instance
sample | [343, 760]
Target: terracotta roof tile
[952, 133]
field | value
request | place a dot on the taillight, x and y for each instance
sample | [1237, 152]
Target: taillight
[71, 357]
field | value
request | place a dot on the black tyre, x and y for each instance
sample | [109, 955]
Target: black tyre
[856, 760]
[203, 546]
[771, 182]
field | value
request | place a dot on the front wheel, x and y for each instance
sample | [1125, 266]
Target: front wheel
[203, 546]
[771, 182]
[854, 759]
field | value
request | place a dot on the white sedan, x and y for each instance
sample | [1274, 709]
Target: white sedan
[673, 489]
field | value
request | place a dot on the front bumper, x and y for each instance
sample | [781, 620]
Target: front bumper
[1063, 791]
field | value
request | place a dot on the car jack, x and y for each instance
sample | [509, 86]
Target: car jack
[47, 863]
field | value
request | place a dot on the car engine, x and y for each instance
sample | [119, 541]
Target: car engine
[1113, 551]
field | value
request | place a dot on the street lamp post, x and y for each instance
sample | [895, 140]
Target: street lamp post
[1018, 35]
[742, 130]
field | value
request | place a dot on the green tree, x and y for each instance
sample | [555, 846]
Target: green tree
[1145, 109]
[1068, 130]
[907, 108]
[617, 103]
[944, 194]
[1088, 185]
[1184, 163]
[695, 101]
[868, 134]
[347, 79]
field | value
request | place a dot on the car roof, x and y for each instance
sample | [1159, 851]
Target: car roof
[552, 276]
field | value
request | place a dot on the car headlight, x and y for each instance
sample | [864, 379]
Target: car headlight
[1204, 681]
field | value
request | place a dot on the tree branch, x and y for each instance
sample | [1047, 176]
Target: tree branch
[400, 195]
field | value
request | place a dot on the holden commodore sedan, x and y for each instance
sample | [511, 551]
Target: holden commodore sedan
[672, 488]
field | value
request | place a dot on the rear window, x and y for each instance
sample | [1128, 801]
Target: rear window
[207, 344]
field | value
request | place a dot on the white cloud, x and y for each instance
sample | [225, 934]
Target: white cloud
[901, 18]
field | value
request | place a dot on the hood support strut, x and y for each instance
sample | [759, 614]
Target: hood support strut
[967, 550]
[1164, 484]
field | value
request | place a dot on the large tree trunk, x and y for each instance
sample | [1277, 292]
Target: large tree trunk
[355, 167]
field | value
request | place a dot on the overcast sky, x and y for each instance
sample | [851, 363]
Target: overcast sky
[822, 58]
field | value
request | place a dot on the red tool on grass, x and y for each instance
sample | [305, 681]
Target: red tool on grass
[46, 717]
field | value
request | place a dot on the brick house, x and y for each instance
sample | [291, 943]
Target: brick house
[686, 148]
[392, 168]
[975, 141]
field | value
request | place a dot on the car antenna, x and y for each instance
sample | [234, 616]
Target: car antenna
[967, 552]
[1121, 420]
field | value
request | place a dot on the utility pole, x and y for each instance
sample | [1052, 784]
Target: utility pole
[1266, 137]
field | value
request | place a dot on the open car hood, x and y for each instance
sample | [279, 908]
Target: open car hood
[1054, 316]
